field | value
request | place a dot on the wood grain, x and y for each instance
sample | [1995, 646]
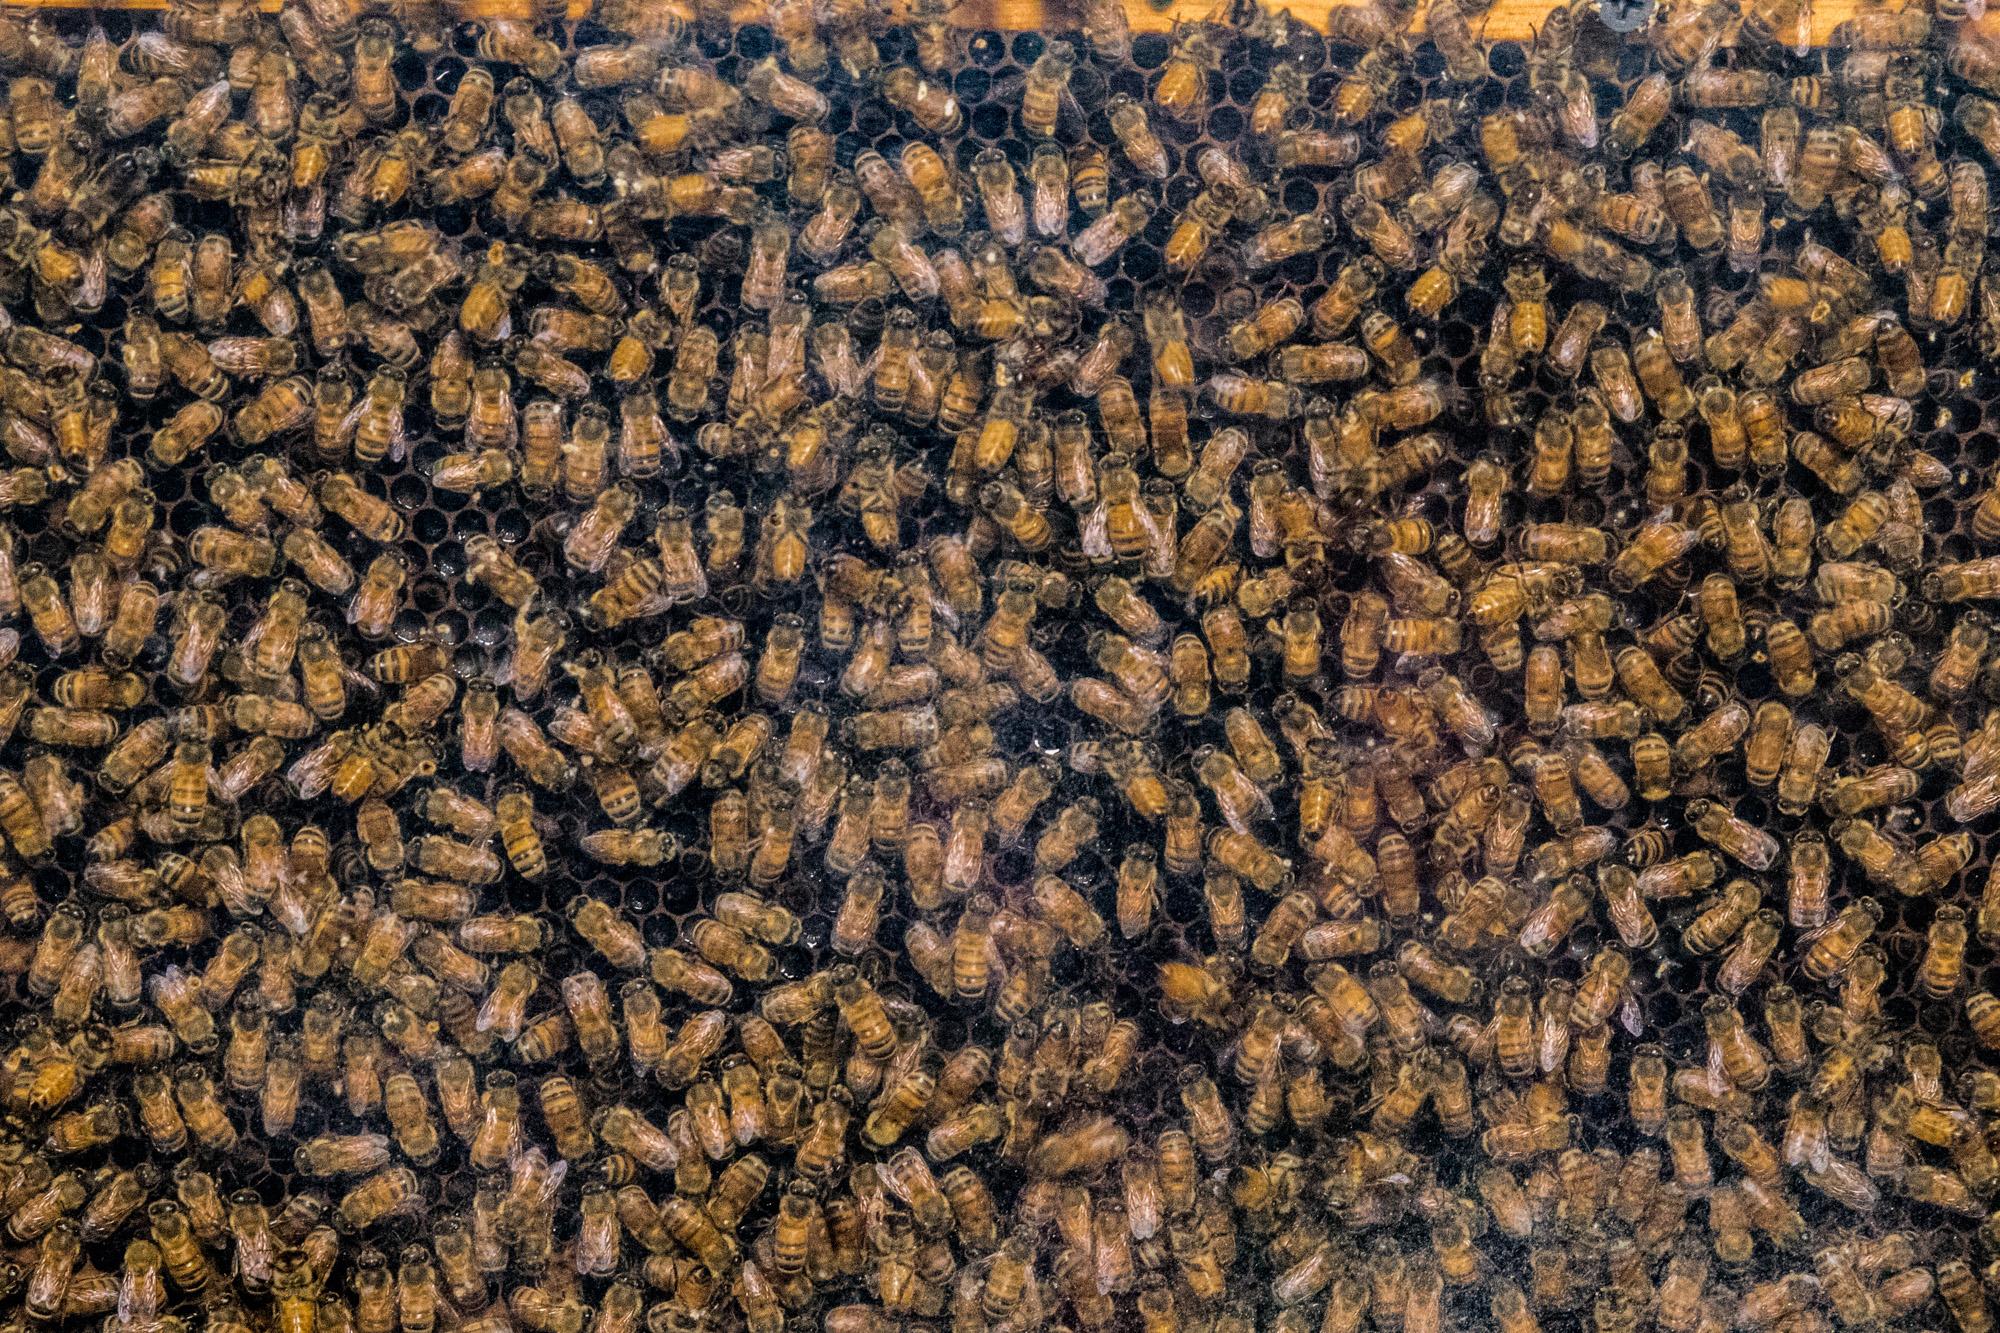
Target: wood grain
[1507, 20]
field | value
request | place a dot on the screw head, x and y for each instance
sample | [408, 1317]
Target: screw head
[1625, 15]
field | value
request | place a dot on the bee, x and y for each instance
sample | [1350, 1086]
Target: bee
[590, 543]
[693, 371]
[1943, 961]
[210, 281]
[143, 355]
[1047, 81]
[374, 86]
[469, 112]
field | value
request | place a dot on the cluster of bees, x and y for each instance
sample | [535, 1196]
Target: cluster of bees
[1165, 828]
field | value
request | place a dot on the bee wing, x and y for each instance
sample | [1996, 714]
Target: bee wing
[129, 1296]
[628, 438]
[1095, 535]
[1629, 1016]
[353, 417]
[1135, 909]
[557, 1173]
[658, 602]
[1580, 118]
[1154, 533]
[865, 373]
[1554, 1046]
[1234, 815]
[830, 371]
[1718, 1077]
[253, 1251]
[893, 1184]
[1803, 1148]
[1070, 117]
[1007, 92]
[1819, 1151]
[942, 610]
[359, 680]
[1843, 1182]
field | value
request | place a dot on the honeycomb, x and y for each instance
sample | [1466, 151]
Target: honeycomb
[1350, 1204]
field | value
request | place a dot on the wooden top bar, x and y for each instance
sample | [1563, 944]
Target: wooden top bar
[1507, 20]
